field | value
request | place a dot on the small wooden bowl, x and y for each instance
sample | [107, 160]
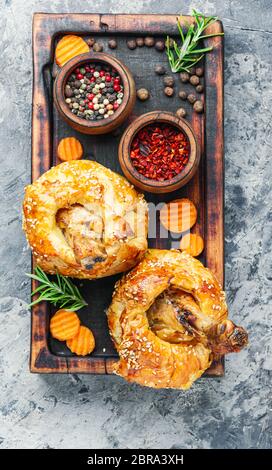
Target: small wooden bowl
[102, 126]
[141, 181]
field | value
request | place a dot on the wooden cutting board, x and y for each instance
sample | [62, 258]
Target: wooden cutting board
[206, 189]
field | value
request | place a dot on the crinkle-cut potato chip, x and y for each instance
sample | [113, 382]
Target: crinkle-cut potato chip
[68, 47]
[83, 343]
[192, 243]
[178, 215]
[64, 325]
[69, 149]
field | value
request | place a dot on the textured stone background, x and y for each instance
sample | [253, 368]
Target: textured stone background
[98, 412]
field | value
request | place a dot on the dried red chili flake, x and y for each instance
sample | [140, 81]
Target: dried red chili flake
[160, 152]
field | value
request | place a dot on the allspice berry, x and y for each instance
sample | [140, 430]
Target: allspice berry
[168, 81]
[98, 47]
[149, 41]
[199, 88]
[191, 98]
[183, 95]
[160, 70]
[90, 42]
[140, 42]
[142, 94]
[199, 71]
[198, 106]
[181, 113]
[169, 91]
[184, 77]
[159, 46]
[194, 80]
[112, 44]
[131, 44]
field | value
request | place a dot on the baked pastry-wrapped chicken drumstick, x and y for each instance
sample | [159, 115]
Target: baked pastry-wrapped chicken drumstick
[168, 320]
[83, 220]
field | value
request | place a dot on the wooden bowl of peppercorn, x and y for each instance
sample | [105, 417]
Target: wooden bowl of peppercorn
[74, 86]
[159, 152]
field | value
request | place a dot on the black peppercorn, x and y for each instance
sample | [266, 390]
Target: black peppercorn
[160, 70]
[112, 44]
[98, 47]
[198, 106]
[143, 94]
[169, 81]
[191, 98]
[181, 113]
[68, 91]
[183, 95]
[169, 91]
[140, 42]
[184, 77]
[194, 80]
[199, 71]
[131, 44]
[149, 41]
[199, 88]
[159, 46]
[77, 83]
[90, 42]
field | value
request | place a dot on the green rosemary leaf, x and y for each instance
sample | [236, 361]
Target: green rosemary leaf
[61, 293]
[186, 55]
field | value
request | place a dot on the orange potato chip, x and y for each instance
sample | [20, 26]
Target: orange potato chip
[192, 244]
[64, 325]
[69, 149]
[178, 215]
[68, 47]
[83, 343]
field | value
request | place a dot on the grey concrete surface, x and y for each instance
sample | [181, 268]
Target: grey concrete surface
[104, 412]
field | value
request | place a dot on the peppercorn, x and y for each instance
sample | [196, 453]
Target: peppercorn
[183, 95]
[191, 98]
[98, 47]
[199, 71]
[181, 113]
[90, 42]
[131, 44]
[160, 70]
[112, 44]
[169, 91]
[159, 46]
[143, 94]
[198, 106]
[192, 70]
[140, 42]
[149, 41]
[169, 81]
[68, 91]
[184, 77]
[199, 88]
[194, 80]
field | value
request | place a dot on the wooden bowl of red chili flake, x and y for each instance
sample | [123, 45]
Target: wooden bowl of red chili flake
[159, 152]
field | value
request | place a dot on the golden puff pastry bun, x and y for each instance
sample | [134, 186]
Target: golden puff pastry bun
[83, 220]
[168, 319]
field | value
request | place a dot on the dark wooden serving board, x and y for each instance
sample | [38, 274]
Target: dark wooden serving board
[206, 189]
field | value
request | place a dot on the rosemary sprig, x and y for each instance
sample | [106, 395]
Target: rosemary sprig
[62, 292]
[188, 54]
